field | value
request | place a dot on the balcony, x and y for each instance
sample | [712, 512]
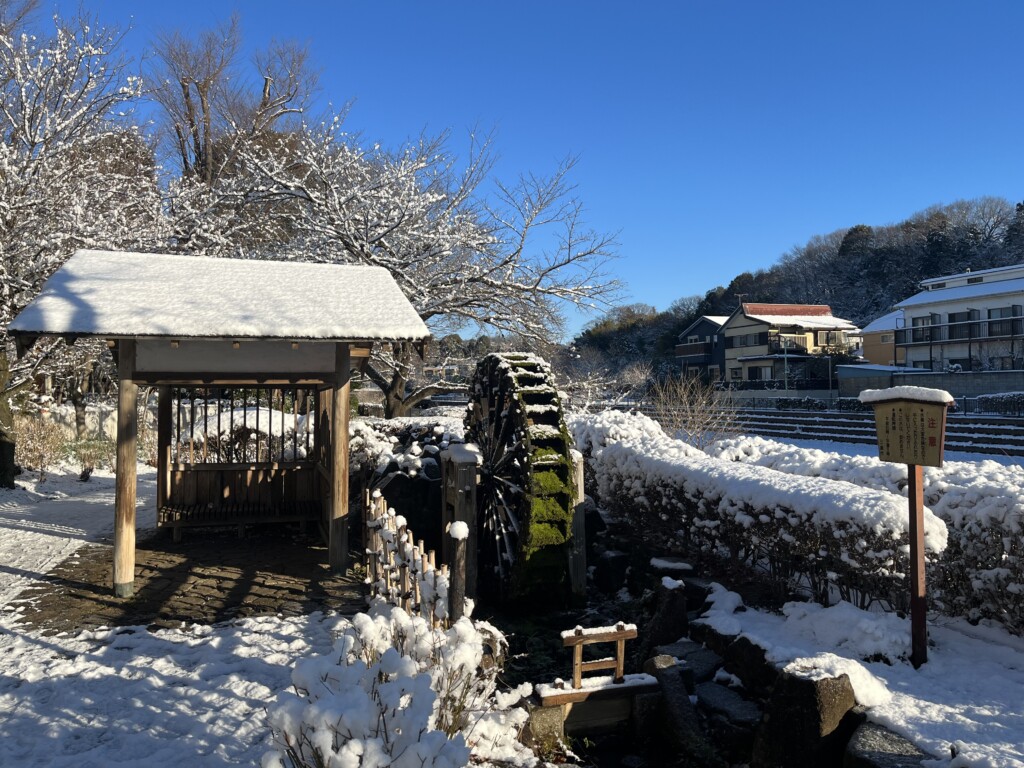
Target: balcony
[974, 330]
[696, 349]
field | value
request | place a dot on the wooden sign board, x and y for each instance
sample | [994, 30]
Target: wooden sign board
[910, 431]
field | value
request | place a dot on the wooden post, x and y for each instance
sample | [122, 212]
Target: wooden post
[457, 585]
[458, 502]
[163, 446]
[918, 605]
[337, 546]
[578, 553]
[124, 491]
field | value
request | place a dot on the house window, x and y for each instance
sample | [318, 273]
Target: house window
[921, 331]
[886, 338]
[937, 285]
[973, 280]
[998, 326]
[735, 373]
[692, 339]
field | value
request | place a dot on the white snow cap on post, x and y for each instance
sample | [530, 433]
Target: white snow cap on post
[458, 530]
[918, 394]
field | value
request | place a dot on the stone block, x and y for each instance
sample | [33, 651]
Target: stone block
[545, 728]
[807, 722]
[700, 662]
[746, 660]
[873, 746]
[610, 571]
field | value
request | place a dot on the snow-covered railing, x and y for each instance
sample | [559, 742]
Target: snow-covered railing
[831, 534]
[981, 573]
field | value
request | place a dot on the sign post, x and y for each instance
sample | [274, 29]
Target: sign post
[911, 427]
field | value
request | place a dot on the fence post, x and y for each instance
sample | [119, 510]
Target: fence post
[457, 582]
[458, 504]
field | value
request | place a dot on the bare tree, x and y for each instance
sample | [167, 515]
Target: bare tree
[508, 263]
[692, 410]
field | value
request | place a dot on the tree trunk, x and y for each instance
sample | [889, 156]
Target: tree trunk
[6, 426]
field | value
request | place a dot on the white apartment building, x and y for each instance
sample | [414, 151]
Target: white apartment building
[967, 322]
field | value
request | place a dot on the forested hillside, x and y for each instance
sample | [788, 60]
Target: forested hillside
[860, 272]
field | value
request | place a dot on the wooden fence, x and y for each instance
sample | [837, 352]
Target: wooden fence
[404, 573]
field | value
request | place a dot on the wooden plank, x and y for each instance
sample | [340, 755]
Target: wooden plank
[125, 483]
[590, 666]
[337, 546]
[599, 637]
[573, 696]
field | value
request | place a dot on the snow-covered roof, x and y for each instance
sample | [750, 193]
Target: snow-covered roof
[977, 290]
[115, 294]
[886, 322]
[719, 319]
[918, 394]
[812, 317]
[810, 322]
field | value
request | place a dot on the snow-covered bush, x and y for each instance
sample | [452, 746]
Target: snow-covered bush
[831, 534]
[981, 573]
[397, 692]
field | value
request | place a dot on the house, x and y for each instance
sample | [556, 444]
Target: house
[966, 322]
[701, 348]
[879, 340]
[777, 342]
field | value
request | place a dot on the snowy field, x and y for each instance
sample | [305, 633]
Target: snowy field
[197, 695]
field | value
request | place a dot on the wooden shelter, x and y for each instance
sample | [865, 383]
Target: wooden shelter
[203, 330]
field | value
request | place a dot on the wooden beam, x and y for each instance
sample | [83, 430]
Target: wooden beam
[163, 445]
[200, 379]
[337, 547]
[124, 490]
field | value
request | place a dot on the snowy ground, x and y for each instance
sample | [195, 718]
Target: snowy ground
[196, 696]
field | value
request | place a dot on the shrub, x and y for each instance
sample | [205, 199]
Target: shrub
[397, 692]
[1007, 403]
[40, 443]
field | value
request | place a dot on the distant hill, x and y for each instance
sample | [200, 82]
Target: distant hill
[860, 272]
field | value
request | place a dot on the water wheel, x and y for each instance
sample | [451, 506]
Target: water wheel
[525, 496]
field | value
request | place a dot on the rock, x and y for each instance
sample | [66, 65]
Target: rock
[668, 623]
[706, 634]
[681, 722]
[610, 571]
[726, 702]
[700, 661]
[746, 660]
[807, 722]
[545, 728]
[873, 746]
[732, 721]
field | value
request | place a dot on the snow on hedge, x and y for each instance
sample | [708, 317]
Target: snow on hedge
[833, 533]
[981, 574]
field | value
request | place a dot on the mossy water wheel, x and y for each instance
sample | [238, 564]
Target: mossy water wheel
[525, 496]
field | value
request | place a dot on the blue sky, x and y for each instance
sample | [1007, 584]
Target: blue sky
[712, 136]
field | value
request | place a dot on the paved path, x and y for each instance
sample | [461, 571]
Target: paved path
[208, 577]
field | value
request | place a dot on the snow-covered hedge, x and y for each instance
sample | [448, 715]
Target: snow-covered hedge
[828, 532]
[981, 573]
[395, 691]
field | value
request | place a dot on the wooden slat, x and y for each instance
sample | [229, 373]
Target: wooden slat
[574, 696]
[599, 637]
[590, 666]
